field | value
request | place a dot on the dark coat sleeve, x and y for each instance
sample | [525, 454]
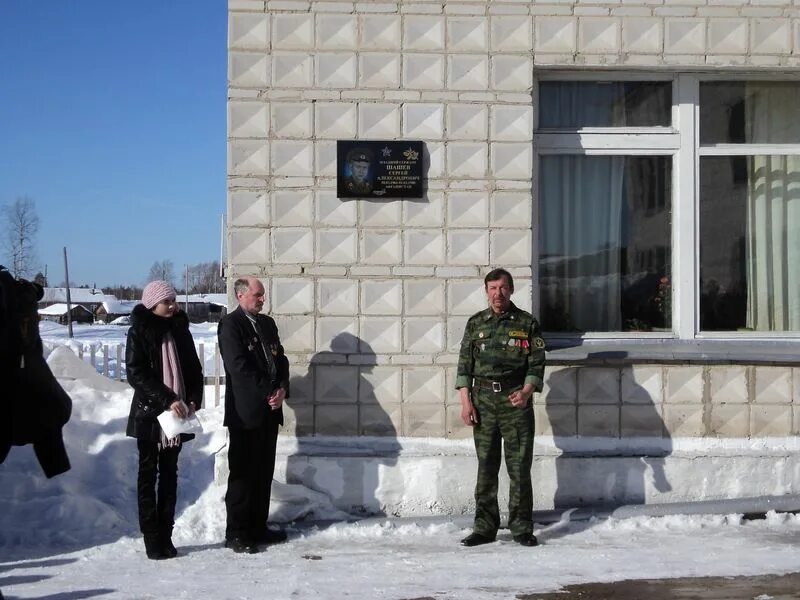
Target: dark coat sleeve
[191, 368]
[34, 405]
[247, 385]
[151, 395]
[9, 360]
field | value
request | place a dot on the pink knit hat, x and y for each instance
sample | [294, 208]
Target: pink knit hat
[156, 291]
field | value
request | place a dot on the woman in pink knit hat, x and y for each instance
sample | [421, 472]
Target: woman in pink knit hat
[165, 373]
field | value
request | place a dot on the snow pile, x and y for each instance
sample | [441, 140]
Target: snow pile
[95, 502]
[74, 507]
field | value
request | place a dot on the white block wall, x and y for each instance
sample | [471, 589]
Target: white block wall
[371, 296]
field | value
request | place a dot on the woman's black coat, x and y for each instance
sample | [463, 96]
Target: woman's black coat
[145, 372]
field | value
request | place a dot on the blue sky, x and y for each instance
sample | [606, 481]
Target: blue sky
[112, 118]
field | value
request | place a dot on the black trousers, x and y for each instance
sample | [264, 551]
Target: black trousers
[251, 460]
[157, 510]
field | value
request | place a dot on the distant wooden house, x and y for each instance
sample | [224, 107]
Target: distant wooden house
[204, 308]
[113, 309]
[88, 298]
[58, 314]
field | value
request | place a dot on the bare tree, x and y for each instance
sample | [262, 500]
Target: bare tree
[21, 226]
[204, 279]
[162, 269]
[125, 292]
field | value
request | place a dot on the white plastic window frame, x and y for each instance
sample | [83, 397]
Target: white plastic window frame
[681, 142]
[731, 150]
[614, 141]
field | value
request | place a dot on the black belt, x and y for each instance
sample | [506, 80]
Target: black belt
[496, 386]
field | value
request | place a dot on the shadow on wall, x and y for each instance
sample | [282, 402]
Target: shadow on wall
[346, 441]
[612, 450]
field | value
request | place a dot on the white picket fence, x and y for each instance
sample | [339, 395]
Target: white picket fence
[109, 361]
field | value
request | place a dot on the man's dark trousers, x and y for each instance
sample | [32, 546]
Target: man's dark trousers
[251, 460]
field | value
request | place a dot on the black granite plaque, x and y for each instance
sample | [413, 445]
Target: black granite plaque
[378, 169]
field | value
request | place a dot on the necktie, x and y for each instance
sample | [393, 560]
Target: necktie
[273, 371]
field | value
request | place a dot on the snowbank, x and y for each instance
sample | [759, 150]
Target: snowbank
[95, 502]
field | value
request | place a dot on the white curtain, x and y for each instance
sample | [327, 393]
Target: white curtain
[773, 211]
[581, 230]
[575, 104]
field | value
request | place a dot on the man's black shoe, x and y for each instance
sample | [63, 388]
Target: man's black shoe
[476, 539]
[526, 539]
[241, 546]
[269, 536]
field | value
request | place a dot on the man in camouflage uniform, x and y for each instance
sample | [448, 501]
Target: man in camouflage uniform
[500, 365]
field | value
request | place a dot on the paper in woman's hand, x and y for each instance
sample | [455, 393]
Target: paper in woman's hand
[172, 424]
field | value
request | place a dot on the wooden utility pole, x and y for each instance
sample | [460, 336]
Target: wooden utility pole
[69, 298]
[186, 287]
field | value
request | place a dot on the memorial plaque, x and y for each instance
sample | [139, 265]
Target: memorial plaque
[378, 169]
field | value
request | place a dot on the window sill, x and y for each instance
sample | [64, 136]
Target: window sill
[625, 352]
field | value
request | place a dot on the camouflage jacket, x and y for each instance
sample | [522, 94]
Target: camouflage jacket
[506, 348]
[358, 187]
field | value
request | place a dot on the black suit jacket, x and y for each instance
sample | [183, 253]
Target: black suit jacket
[249, 377]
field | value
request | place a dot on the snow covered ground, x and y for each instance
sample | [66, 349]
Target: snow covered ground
[76, 536]
[404, 560]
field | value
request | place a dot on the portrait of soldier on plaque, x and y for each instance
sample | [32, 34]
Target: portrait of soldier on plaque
[358, 175]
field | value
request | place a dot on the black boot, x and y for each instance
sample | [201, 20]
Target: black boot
[167, 547]
[526, 539]
[476, 539]
[152, 546]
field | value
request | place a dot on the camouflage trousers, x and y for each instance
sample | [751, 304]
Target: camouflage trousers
[499, 421]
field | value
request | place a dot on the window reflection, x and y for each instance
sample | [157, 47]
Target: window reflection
[750, 243]
[576, 104]
[605, 243]
[745, 112]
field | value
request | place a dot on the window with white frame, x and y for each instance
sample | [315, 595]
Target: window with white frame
[668, 206]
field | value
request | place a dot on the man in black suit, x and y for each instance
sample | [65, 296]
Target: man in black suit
[256, 384]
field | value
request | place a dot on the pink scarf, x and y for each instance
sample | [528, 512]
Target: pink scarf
[173, 379]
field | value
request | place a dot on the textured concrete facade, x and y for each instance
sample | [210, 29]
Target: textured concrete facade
[371, 296]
